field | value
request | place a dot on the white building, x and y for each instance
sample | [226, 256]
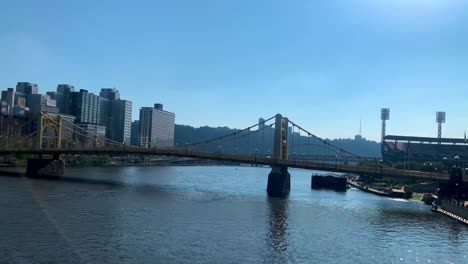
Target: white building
[156, 127]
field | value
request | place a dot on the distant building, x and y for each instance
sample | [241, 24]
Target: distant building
[13, 103]
[41, 103]
[85, 107]
[16, 127]
[63, 98]
[93, 135]
[135, 134]
[158, 106]
[261, 123]
[156, 127]
[19, 111]
[121, 121]
[68, 130]
[3, 108]
[110, 93]
[106, 109]
[116, 115]
[105, 116]
[27, 88]
[23, 91]
[8, 96]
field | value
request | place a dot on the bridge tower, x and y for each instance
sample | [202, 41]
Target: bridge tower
[279, 179]
[47, 126]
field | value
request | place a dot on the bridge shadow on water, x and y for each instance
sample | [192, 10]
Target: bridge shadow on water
[277, 236]
[83, 181]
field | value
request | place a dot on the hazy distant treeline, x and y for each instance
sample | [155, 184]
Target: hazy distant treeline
[261, 143]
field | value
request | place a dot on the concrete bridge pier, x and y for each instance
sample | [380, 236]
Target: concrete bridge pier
[279, 179]
[54, 167]
[279, 182]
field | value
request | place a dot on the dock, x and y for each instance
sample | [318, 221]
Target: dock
[387, 192]
[447, 213]
[455, 209]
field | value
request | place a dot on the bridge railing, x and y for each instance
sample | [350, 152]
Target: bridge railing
[255, 159]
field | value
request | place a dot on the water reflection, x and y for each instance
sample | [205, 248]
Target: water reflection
[455, 230]
[277, 237]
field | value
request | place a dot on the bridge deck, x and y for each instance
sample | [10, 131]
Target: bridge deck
[250, 159]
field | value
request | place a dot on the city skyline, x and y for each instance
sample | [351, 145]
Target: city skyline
[326, 65]
[105, 94]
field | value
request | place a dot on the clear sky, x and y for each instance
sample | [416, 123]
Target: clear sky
[324, 64]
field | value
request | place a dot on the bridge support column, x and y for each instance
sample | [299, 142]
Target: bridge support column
[279, 179]
[279, 182]
[54, 167]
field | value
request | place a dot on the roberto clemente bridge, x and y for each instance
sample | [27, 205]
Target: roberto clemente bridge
[277, 142]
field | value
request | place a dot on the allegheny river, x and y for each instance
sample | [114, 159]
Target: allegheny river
[217, 214]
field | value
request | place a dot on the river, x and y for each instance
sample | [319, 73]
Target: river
[213, 214]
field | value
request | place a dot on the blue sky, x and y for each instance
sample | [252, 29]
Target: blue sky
[324, 64]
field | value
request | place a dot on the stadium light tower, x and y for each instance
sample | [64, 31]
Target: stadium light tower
[440, 119]
[384, 116]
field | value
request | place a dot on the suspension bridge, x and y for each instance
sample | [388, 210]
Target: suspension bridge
[277, 142]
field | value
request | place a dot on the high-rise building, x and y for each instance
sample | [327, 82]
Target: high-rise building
[146, 120]
[41, 103]
[63, 97]
[13, 103]
[8, 96]
[116, 115]
[261, 123]
[92, 135]
[23, 91]
[85, 107]
[3, 109]
[27, 88]
[135, 134]
[156, 127]
[105, 113]
[121, 121]
[110, 93]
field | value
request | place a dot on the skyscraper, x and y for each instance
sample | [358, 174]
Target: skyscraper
[23, 91]
[105, 117]
[156, 127]
[93, 135]
[135, 135]
[8, 96]
[41, 103]
[110, 93]
[63, 97]
[116, 115]
[121, 122]
[85, 107]
[261, 123]
[27, 88]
